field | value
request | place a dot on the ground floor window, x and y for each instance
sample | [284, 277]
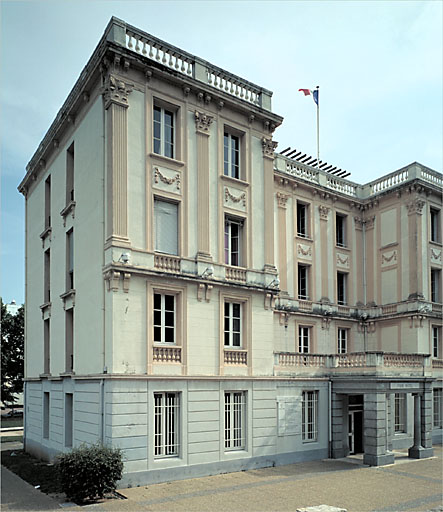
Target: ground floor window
[438, 408]
[310, 416]
[166, 424]
[400, 413]
[235, 420]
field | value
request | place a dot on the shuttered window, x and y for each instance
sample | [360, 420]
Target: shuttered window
[166, 227]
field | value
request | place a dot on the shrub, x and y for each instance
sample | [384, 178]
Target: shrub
[89, 472]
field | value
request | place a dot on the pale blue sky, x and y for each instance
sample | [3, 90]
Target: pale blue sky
[378, 65]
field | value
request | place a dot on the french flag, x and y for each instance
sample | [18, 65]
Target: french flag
[308, 92]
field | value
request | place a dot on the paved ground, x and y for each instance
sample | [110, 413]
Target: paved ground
[409, 485]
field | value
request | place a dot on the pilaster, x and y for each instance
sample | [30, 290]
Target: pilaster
[202, 125]
[115, 94]
[337, 426]
[375, 430]
[282, 200]
[268, 146]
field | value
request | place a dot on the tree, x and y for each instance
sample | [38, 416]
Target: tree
[12, 357]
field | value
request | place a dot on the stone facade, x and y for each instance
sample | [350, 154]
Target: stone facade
[211, 305]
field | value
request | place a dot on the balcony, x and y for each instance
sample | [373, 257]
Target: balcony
[167, 354]
[357, 363]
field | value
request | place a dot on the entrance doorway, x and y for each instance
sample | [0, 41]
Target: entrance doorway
[355, 424]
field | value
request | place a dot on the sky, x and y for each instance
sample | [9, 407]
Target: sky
[378, 65]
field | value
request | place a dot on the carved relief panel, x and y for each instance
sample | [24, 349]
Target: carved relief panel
[234, 198]
[167, 180]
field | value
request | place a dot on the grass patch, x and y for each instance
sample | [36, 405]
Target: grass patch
[12, 422]
[32, 470]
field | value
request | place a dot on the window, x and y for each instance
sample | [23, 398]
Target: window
[69, 399]
[70, 260]
[231, 155]
[342, 341]
[69, 339]
[233, 240]
[166, 424]
[435, 285]
[46, 415]
[304, 335]
[436, 340]
[166, 226]
[309, 416]
[48, 202]
[232, 327]
[163, 132]
[438, 407]
[235, 420]
[47, 346]
[341, 288]
[435, 225]
[400, 413]
[302, 220]
[340, 230]
[70, 174]
[303, 281]
[164, 318]
[47, 277]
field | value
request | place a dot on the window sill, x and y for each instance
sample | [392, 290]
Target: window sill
[68, 209]
[167, 160]
[342, 247]
[234, 181]
[68, 299]
[306, 238]
[47, 232]
[67, 374]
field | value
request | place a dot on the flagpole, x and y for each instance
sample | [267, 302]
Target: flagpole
[318, 127]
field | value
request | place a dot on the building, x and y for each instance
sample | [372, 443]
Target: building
[12, 308]
[208, 304]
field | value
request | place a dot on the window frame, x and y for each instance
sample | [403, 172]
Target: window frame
[166, 200]
[400, 416]
[162, 417]
[304, 336]
[48, 202]
[434, 225]
[436, 341]
[305, 231]
[309, 426]
[232, 169]
[342, 288]
[437, 407]
[70, 260]
[164, 110]
[163, 314]
[233, 442]
[303, 269]
[231, 318]
[342, 342]
[70, 174]
[228, 259]
[341, 230]
[435, 277]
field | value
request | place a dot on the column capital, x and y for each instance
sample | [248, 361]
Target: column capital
[203, 122]
[268, 146]
[116, 91]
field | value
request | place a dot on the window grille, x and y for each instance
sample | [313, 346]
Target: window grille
[166, 424]
[341, 288]
[302, 220]
[235, 424]
[310, 416]
[400, 413]
[233, 233]
[303, 282]
[438, 407]
[436, 341]
[340, 230]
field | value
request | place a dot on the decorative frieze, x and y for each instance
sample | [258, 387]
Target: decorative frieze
[160, 177]
[268, 146]
[435, 255]
[202, 122]
[342, 260]
[116, 91]
[239, 200]
[324, 212]
[304, 251]
[389, 258]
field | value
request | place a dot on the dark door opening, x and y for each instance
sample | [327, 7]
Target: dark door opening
[355, 424]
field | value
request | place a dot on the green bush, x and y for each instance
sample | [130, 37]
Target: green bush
[89, 472]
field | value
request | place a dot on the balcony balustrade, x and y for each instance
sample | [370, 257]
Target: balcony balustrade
[236, 357]
[167, 354]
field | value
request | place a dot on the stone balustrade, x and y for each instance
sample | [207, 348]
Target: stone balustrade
[167, 355]
[236, 357]
[305, 305]
[371, 360]
[167, 263]
[235, 274]
[343, 186]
